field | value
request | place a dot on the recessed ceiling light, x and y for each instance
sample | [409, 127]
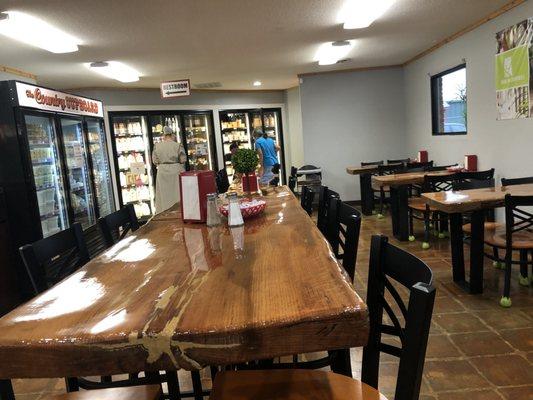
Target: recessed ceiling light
[35, 32]
[257, 83]
[331, 52]
[357, 14]
[114, 70]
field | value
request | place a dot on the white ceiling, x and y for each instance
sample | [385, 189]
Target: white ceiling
[230, 41]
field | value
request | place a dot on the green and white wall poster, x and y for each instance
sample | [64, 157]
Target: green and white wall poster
[513, 77]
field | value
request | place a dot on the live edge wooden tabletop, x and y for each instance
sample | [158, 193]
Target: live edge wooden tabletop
[367, 169]
[174, 295]
[474, 199]
[405, 179]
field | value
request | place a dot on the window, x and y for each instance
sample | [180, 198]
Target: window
[448, 102]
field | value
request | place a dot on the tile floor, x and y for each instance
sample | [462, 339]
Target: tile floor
[476, 350]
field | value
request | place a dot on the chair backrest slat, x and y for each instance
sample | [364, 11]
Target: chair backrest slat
[367, 163]
[388, 261]
[324, 196]
[390, 169]
[399, 161]
[344, 238]
[517, 181]
[307, 198]
[117, 225]
[51, 259]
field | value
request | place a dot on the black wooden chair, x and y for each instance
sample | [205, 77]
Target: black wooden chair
[343, 228]
[52, 259]
[222, 181]
[306, 199]
[465, 176]
[418, 209]
[389, 268]
[393, 168]
[324, 197]
[117, 225]
[374, 191]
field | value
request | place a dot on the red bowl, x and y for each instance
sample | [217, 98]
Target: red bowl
[248, 208]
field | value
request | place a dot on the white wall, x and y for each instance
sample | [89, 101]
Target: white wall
[294, 134]
[504, 145]
[349, 117]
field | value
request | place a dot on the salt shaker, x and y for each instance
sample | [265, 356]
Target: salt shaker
[213, 218]
[234, 211]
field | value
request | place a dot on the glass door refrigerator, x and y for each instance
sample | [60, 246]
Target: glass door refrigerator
[235, 130]
[200, 141]
[47, 164]
[132, 156]
[238, 126]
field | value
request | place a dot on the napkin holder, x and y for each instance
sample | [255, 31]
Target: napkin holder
[471, 162]
[423, 156]
[194, 188]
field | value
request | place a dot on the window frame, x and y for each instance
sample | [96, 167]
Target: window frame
[435, 103]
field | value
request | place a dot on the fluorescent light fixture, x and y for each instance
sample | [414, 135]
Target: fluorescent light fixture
[114, 70]
[357, 14]
[331, 52]
[257, 83]
[35, 32]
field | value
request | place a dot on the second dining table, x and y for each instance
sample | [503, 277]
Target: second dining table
[476, 202]
[174, 295]
[399, 196]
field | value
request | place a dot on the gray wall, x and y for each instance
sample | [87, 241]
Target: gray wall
[294, 134]
[504, 145]
[152, 97]
[351, 117]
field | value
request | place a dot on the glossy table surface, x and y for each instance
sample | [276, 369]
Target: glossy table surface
[474, 199]
[174, 295]
[405, 179]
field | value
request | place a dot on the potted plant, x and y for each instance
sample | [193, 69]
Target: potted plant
[245, 162]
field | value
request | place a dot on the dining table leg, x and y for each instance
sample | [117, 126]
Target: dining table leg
[399, 198]
[367, 194]
[6, 390]
[477, 254]
[456, 242]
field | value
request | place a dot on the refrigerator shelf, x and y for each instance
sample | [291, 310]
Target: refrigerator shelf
[138, 201]
[127, 135]
[234, 129]
[40, 144]
[52, 214]
[237, 141]
[43, 162]
[133, 185]
[44, 187]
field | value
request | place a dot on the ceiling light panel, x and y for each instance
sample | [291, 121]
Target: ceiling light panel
[115, 70]
[331, 52]
[35, 32]
[358, 14]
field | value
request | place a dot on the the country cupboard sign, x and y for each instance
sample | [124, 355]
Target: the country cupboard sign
[52, 100]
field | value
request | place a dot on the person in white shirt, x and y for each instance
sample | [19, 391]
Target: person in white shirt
[169, 158]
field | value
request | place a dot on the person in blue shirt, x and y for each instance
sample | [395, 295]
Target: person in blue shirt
[267, 149]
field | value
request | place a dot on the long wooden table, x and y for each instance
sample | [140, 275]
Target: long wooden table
[476, 202]
[399, 197]
[174, 295]
[365, 186]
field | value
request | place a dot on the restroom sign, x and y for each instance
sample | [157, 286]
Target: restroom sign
[175, 88]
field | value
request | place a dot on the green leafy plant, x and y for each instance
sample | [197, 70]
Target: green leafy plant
[245, 161]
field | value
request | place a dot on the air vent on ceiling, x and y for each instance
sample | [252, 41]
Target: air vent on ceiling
[208, 85]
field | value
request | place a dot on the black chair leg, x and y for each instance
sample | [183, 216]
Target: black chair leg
[411, 226]
[173, 385]
[197, 385]
[425, 244]
[72, 384]
[381, 203]
[6, 390]
[497, 263]
[523, 278]
[505, 301]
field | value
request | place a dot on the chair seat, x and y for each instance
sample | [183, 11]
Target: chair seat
[495, 236]
[147, 392]
[291, 384]
[418, 204]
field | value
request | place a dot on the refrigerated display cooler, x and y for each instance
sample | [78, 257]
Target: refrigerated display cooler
[54, 163]
[135, 134]
[238, 126]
